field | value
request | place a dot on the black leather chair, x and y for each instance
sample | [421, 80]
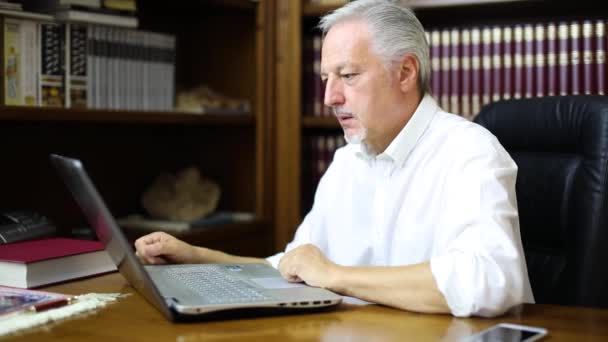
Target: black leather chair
[560, 145]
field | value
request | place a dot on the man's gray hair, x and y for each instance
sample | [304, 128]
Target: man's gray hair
[395, 32]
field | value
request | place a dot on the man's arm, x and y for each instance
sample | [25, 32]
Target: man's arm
[162, 248]
[405, 287]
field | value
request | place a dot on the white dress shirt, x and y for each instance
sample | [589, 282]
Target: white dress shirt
[443, 191]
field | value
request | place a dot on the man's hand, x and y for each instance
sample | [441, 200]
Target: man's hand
[162, 248]
[307, 263]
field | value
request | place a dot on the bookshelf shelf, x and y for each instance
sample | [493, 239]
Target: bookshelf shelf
[320, 122]
[27, 114]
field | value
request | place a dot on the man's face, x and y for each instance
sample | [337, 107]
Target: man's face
[358, 87]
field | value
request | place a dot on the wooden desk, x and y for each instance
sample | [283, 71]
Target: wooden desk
[133, 319]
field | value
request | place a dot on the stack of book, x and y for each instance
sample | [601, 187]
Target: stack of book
[34, 263]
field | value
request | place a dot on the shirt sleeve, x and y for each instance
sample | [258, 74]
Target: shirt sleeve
[481, 268]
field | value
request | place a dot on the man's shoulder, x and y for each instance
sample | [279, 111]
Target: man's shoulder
[456, 127]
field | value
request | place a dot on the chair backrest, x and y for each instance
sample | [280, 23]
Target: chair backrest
[560, 145]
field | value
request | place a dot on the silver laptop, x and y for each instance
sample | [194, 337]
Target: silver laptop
[193, 291]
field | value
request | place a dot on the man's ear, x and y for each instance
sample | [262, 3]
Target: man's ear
[408, 73]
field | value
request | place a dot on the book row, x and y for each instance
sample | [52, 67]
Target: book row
[473, 66]
[318, 153]
[87, 66]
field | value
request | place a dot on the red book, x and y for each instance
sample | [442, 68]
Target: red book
[563, 59]
[552, 66]
[455, 91]
[575, 58]
[529, 70]
[435, 50]
[587, 59]
[540, 62]
[518, 61]
[34, 263]
[600, 56]
[475, 70]
[507, 62]
[486, 65]
[445, 70]
[465, 100]
[497, 63]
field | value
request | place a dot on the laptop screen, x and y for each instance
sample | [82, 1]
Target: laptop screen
[98, 216]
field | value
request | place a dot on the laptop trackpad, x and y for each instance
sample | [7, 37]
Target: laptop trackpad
[272, 283]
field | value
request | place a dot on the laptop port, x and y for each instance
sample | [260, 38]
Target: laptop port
[303, 303]
[316, 302]
[282, 304]
[327, 302]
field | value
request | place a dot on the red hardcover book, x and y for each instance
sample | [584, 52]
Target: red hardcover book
[540, 53]
[529, 90]
[497, 63]
[507, 62]
[600, 56]
[475, 70]
[563, 59]
[465, 63]
[435, 50]
[518, 61]
[319, 86]
[587, 60]
[445, 70]
[486, 65]
[552, 59]
[35, 263]
[455, 71]
[575, 58]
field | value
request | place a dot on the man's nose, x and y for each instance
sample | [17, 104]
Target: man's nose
[334, 95]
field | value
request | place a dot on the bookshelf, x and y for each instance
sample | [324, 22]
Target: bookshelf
[227, 45]
[298, 18]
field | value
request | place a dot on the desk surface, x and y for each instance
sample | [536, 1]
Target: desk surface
[133, 319]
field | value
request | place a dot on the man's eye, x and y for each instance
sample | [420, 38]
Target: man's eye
[347, 76]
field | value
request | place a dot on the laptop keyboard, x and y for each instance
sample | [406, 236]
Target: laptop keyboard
[215, 286]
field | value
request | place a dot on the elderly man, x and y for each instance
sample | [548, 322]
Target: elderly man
[418, 211]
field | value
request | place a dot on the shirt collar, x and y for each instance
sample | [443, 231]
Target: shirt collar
[404, 142]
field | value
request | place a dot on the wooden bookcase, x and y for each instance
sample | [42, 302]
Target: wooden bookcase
[295, 18]
[227, 45]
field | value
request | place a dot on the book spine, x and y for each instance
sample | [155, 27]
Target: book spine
[319, 90]
[307, 76]
[465, 100]
[475, 70]
[600, 56]
[29, 63]
[497, 63]
[455, 71]
[518, 61]
[507, 62]
[52, 72]
[445, 70]
[540, 62]
[588, 62]
[435, 50]
[528, 61]
[11, 66]
[78, 81]
[575, 58]
[552, 65]
[486, 65]
[563, 59]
